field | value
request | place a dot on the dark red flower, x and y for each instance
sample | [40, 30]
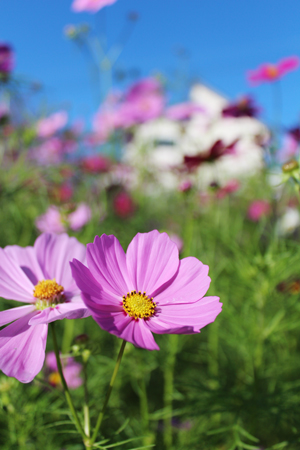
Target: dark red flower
[217, 150]
[244, 107]
[123, 204]
[96, 164]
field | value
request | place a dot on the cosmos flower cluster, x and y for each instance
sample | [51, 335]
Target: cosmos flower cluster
[147, 290]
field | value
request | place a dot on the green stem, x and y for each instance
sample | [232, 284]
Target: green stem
[67, 336]
[65, 386]
[168, 389]
[86, 412]
[111, 384]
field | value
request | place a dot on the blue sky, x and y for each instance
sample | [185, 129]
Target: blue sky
[223, 38]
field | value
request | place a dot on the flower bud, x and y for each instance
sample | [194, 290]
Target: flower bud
[290, 166]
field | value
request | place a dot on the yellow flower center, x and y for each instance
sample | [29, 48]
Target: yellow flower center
[272, 71]
[138, 305]
[48, 294]
[54, 378]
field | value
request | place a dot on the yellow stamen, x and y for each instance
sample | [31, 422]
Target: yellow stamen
[272, 71]
[54, 379]
[138, 305]
[47, 290]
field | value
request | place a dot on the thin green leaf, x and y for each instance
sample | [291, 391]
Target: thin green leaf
[122, 427]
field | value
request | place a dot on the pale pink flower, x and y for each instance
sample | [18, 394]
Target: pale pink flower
[50, 125]
[105, 122]
[40, 276]
[49, 152]
[90, 5]
[81, 216]
[183, 111]
[51, 221]
[177, 240]
[55, 220]
[258, 209]
[147, 290]
[71, 370]
[141, 109]
[271, 72]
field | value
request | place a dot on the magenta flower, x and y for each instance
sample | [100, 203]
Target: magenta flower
[258, 209]
[144, 87]
[96, 164]
[147, 290]
[123, 205]
[6, 58]
[272, 72]
[90, 5]
[50, 125]
[71, 370]
[40, 276]
[229, 188]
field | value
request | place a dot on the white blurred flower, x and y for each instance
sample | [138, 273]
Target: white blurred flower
[288, 222]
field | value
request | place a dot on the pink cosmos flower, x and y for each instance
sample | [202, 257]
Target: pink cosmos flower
[258, 209]
[56, 221]
[105, 122]
[49, 152]
[146, 86]
[40, 276]
[50, 125]
[90, 5]
[272, 72]
[71, 370]
[183, 111]
[141, 109]
[78, 218]
[51, 221]
[147, 290]
[185, 186]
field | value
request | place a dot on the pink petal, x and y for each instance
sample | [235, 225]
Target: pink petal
[14, 284]
[15, 313]
[68, 310]
[196, 315]
[127, 328]
[152, 260]
[288, 64]
[54, 252]
[26, 258]
[90, 5]
[191, 283]
[22, 349]
[107, 263]
[139, 335]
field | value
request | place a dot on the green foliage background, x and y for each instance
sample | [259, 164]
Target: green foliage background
[236, 384]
